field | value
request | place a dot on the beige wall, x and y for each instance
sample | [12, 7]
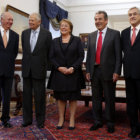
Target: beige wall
[28, 6]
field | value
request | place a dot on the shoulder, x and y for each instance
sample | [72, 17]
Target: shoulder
[113, 31]
[56, 39]
[125, 30]
[76, 38]
[14, 33]
[92, 33]
[26, 31]
[42, 29]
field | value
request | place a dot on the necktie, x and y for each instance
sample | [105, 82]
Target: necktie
[33, 41]
[133, 36]
[5, 39]
[99, 47]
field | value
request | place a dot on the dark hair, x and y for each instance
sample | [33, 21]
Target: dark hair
[69, 22]
[104, 13]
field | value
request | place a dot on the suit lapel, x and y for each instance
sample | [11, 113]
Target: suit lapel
[38, 41]
[93, 41]
[28, 40]
[137, 37]
[69, 43]
[10, 38]
[1, 40]
[127, 35]
[106, 39]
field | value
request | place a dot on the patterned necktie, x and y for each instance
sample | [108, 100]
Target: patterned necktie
[99, 47]
[33, 41]
[4, 39]
[133, 36]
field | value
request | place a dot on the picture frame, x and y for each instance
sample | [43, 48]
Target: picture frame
[84, 39]
[20, 21]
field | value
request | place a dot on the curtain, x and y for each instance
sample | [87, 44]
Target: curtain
[50, 11]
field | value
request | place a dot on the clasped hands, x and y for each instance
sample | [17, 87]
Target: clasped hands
[66, 70]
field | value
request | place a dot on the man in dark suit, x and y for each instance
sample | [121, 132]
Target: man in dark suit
[130, 39]
[36, 42]
[8, 51]
[103, 67]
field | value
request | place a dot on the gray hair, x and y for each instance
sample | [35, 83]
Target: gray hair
[37, 15]
[104, 13]
[135, 8]
[4, 14]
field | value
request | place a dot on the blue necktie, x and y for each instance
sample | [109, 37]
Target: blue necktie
[33, 41]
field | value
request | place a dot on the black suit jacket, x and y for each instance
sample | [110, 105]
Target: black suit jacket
[131, 59]
[35, 62]
[110, 59]
[72, 57]
[8, 54]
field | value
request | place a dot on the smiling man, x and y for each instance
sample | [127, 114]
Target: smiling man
[103, 67]
[36, 42]
[130, 39]
[8, 51]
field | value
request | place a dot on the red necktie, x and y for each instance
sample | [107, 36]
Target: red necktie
[99, 47]
[133, 36]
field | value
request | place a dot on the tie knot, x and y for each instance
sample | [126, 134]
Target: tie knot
[100, 33]
[34, 32]
[4, 31]
[134, 28]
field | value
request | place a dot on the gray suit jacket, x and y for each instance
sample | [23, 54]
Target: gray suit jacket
[35, 62]
[111, 55]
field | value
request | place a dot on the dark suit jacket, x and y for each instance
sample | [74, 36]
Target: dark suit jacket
[110, 59]
[35, 62]
[8, 54]
[73, 57]
[131, 59]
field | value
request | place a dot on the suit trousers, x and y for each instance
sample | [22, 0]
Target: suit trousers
[133, 100]
[5, 87]
[37, 87]
[102, 88]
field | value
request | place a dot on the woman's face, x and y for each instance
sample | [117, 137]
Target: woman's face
[65, 28]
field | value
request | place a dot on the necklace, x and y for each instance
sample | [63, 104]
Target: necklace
[66, 40]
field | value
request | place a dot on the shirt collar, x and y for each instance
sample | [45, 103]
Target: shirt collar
[37, 30]
[2, 29]
[103, 31]
[137, 27]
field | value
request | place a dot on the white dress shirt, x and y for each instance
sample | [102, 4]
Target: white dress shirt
[2, 32]
[103, 35]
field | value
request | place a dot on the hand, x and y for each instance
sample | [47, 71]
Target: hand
[62, 69]
[115, 77]
[88, 77]
[70, 70]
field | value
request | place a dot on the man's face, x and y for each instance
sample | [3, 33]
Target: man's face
[100, 21]
[33, 22]
[7, 21]
[134, 17]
